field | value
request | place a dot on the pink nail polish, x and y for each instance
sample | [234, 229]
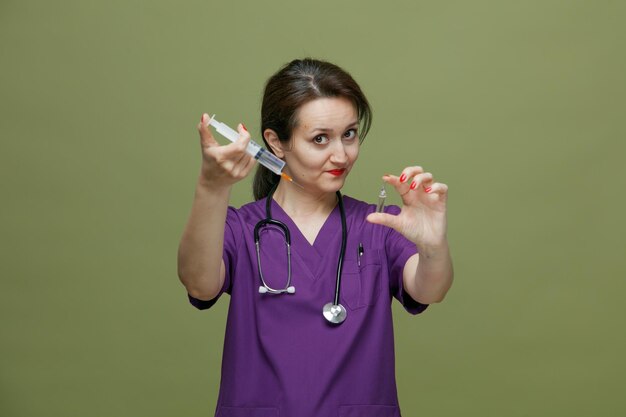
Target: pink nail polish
[427, 189]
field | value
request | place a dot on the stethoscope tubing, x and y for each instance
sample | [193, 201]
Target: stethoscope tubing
[334, 312]
[344, 239]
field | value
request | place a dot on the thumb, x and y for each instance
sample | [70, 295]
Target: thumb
[206, 137]
[384, 219]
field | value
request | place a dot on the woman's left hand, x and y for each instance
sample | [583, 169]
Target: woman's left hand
[422, 219]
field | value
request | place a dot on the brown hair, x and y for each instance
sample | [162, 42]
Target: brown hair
[295, 84]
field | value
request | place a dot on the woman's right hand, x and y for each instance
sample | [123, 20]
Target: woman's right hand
[223, 165]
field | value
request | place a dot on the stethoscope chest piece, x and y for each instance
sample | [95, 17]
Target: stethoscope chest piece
[335, 313]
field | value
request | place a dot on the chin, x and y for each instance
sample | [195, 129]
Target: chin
[333, 186]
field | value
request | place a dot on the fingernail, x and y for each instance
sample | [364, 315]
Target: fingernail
[202, 118]
[244, 127]
[413, 185]
[427, 189]
[402, 178]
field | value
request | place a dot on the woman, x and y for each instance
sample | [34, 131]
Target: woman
[282, 356]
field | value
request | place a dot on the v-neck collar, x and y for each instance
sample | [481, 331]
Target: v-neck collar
[314, 257]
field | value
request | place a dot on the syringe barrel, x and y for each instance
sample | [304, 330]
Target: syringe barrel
[269, 160]
[265, 158]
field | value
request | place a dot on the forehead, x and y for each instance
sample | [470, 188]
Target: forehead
[326, 112]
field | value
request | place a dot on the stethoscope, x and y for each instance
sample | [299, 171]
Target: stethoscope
[333, 312]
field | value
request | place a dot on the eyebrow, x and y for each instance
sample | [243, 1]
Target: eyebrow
[325, 129]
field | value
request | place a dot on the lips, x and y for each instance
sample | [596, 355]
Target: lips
[336, 172]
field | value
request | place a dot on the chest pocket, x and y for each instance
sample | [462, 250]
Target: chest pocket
[361, 284]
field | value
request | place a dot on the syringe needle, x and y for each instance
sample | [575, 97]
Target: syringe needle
[288, 178]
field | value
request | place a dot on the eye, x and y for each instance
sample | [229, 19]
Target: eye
[350, 134]
[320, 140]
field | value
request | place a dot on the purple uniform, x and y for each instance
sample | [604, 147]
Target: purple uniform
[281, 357]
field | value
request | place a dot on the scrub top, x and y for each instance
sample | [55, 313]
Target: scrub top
[281, 357]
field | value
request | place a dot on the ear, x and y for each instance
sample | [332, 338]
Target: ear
[272, 140]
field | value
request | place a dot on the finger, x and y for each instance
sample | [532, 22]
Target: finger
[243, 160]
[250, 164]
[394, 180]
[244, 168]
[438, 188]
[242, 145]
[233, 156]
[241, 156]
[239, 168]
[410, 172]
[238, 148]
[384, 219]
[206, 137]
[246, 162]
[391, 179]
[423, 180]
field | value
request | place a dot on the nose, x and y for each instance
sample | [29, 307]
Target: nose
[339, 155]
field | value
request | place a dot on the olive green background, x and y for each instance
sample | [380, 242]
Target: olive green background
[517, 105]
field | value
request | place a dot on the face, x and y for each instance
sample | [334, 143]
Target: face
[324, 144]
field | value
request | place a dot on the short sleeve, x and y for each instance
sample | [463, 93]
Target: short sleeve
[399, 250]
[232, 238]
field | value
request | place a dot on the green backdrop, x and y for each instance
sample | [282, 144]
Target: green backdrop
[517, 105]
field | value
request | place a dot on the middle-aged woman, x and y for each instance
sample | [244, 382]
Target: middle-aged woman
[290, 349]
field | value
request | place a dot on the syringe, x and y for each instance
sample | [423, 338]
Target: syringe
[265, 158]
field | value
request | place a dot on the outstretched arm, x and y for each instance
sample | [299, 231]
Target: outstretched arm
[427, 275]
[200, 265]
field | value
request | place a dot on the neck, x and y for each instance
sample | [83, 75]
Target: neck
[298, 202]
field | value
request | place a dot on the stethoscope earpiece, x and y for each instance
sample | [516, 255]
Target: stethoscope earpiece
[291, 290]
